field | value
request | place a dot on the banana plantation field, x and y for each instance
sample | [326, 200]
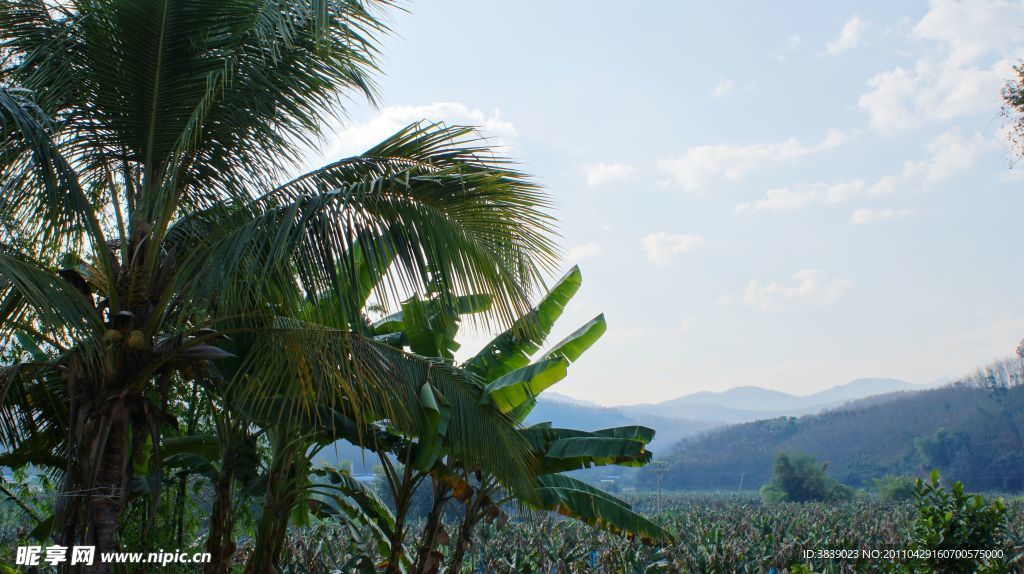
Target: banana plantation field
[736, 533]
[712, 533]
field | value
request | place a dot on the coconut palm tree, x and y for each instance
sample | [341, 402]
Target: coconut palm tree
[148, 214]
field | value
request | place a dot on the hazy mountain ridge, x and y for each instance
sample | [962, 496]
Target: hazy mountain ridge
[675, 419]
[750, 403]
[970, 433]
[584, 417]
[691, 414]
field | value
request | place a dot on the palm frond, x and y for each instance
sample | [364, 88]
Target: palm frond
[33, 414]
[41, 191]
[450, 215]
[296, 372]
[55, 303]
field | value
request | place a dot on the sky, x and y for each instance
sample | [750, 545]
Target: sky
[787, 194]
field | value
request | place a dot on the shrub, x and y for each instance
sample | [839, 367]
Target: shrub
[894, 488]
[954, 520]
[800, 478]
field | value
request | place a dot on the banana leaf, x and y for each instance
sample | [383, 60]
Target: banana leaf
[571, 348]
[580, 340]
[513, 389]
[577, 499]
[512, 349]
[438, 413]
[429, 327]
[569, 449]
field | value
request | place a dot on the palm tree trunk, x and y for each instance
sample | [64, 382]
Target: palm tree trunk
[222, 520]
[106, 495]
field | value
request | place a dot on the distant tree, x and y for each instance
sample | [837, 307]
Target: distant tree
[895, 488]
[941, 448]
[1013, 108]
[800, 478]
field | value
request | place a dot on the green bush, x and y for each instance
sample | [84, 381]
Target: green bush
[953, 520]
[893, 488]
[800, 478]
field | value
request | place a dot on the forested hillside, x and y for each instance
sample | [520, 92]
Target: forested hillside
[972, 430]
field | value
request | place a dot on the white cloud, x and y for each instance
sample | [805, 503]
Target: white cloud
[792, 44]
[970, 48]
[946, 156]
[786, 199]
[701, 165]
[951, 154]
[661, 247]
[862, 216]
[723, 88]
[581, 252]
[808, 287]
[849, 36]
[357, 138]
[972, 28]
[780, 199]
[602, 173]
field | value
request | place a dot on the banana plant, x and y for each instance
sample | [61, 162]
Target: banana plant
[510, 379]
[515, 382]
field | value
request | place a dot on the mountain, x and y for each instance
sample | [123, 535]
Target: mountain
[748, 403]
[674, 419]
[859, 389]
[970, 432]
[579, 415]
[742, 398]
[561, 411]
[560, 398]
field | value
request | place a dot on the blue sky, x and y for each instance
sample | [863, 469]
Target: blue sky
[785, 194]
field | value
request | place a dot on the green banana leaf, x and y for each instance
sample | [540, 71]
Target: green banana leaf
[193, 463]
[585, 452]
[438, 413]
[513, 389]
[542, 434]
[429, 327]
[569, 449]
[206, 445]
[580, 340]
[512, 349]
[571, 348]
[424, 338]
[577, 499]
[632, 432]
[370, 265]
[359, 269]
